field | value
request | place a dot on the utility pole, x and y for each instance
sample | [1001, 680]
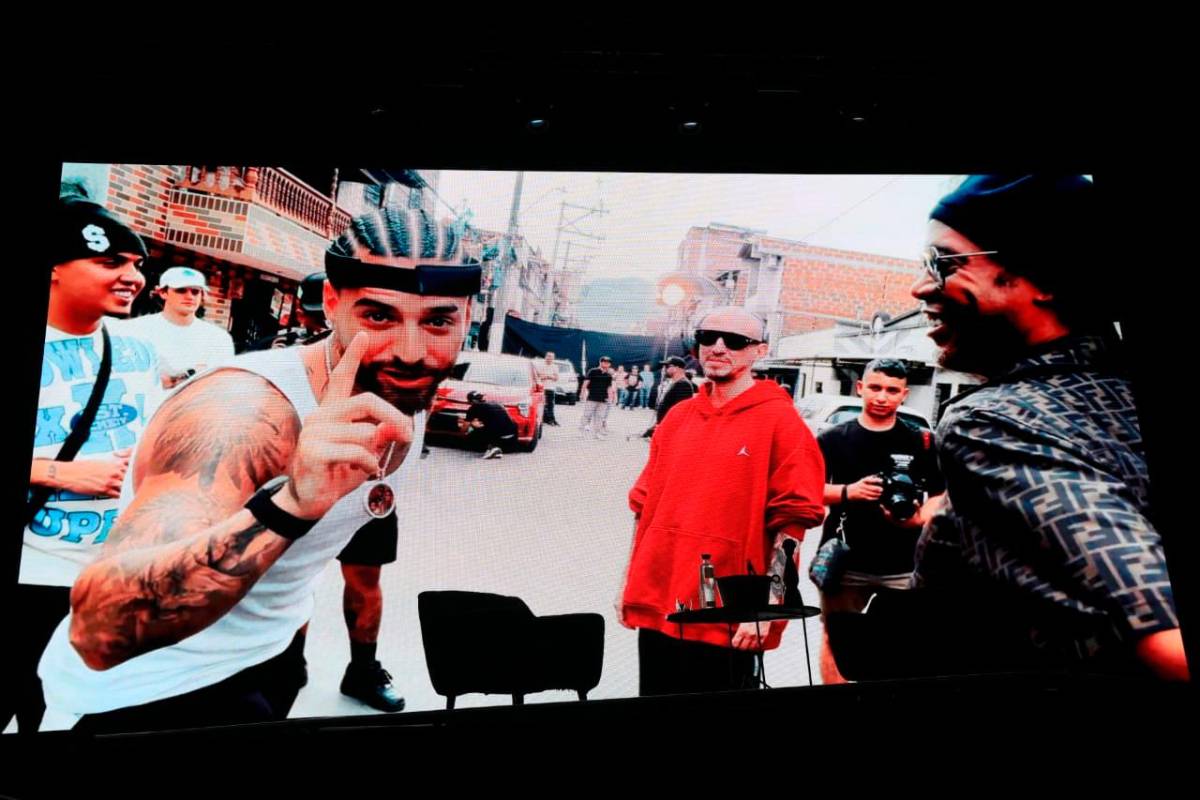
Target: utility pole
[568, 228]
[502, 302]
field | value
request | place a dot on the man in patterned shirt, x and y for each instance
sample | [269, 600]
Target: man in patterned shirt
[1046, 544]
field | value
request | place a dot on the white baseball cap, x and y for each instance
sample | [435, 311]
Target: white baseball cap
[182, 278]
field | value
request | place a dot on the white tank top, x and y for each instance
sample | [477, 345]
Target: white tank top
[259, 627]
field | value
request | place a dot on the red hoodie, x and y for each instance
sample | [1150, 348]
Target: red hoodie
[721, 481]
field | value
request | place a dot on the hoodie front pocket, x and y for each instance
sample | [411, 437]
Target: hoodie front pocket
[666, 566]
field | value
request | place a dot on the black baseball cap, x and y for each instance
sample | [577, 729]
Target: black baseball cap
[312, 293]
[673, 361]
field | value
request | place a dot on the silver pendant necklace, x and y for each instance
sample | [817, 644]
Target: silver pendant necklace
[380, 500]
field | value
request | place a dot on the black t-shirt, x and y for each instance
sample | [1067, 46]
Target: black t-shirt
[495, 419]
[853, 452]
[598, 383]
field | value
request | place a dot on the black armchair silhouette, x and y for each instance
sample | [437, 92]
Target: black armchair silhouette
[493, 644]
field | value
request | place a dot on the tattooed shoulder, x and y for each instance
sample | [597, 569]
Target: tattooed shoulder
[230, 426]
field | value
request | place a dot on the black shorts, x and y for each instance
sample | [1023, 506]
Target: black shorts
[372, 545]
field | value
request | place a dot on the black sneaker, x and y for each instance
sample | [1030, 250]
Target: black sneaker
[372, 684]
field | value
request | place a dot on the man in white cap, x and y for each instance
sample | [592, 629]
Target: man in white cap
[186, 345]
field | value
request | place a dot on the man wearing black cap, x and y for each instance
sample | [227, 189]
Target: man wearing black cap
[598, 394]
[191, 615]
[308, 317]
[491, 423]
[1045, 546]
[673, 391]
[75, 478]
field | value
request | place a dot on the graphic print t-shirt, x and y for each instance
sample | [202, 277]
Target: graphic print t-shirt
[71, 527]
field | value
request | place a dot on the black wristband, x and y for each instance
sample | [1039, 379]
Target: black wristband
[845, 497]
[272, 516]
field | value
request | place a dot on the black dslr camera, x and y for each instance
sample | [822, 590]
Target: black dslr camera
[901, 490]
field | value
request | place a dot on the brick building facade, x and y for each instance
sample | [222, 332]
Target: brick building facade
[816, 287]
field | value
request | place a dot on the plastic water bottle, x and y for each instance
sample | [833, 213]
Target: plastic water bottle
[708, 582]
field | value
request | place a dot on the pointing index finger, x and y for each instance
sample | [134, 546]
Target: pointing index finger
[341, 379]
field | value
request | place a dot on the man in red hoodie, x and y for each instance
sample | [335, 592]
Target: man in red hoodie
[732, 472]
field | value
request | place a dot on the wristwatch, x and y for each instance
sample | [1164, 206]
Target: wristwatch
[263, 507]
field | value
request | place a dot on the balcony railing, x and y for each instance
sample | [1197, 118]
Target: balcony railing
[272, 188]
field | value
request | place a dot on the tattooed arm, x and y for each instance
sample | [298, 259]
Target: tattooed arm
[185, 551]
[795, 488]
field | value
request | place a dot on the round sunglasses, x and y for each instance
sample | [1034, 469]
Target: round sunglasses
[940, 264]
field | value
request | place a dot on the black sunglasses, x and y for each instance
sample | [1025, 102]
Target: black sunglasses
[734, 341]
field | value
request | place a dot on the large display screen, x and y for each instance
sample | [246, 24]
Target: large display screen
[522, 471]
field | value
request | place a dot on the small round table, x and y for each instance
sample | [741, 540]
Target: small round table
[734, 616]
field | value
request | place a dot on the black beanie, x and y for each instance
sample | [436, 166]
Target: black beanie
[83, 229]
[1043, 227]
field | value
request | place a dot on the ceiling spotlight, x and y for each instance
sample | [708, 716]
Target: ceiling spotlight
[858, 112]
[537, 123]
[689, 126]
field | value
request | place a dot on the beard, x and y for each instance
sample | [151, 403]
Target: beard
[373, 378]
[728, 377]
[979, 344]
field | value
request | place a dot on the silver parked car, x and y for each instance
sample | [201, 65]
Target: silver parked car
[566, 390]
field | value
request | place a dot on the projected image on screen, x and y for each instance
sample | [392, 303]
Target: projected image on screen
[322, 442]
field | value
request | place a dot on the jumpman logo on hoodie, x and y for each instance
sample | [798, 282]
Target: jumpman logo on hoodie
[743, 451]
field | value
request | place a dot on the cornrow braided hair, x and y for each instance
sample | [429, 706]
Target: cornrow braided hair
[398, 232]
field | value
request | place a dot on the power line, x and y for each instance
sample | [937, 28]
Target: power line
[806, 237]
[438, 197]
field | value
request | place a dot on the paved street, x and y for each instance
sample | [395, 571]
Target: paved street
[551, 527]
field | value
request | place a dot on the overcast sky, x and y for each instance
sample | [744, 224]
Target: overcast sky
[649, 214]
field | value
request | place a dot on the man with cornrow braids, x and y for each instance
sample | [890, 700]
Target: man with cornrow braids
[191, 615]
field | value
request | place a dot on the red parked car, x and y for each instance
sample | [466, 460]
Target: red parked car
[504, 379]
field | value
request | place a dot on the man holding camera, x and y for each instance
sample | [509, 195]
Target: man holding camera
[865, 456]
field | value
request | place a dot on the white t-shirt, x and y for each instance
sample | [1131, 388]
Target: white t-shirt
[71, 528]
[200, 345]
